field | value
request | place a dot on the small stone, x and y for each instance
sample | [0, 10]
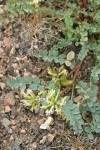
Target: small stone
[28, 120]
[12, 51]
[11, 138]
[43, 140]
[5, 142]
[17, 96]
[7, 109]
[24, 59]
[14, 127]
[2, 85]
[18, 59]
[1, 75]
[13, 122]
[22, 131]
[5, 122]
[47, 123]
[17, 46]
[10, 131]
[17, 72]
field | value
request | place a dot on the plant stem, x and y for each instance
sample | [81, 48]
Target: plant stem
[77, 70]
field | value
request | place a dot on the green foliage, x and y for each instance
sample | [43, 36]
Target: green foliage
[31, 100]
[14, 8]
[72, 113]
[82, 28]
[90, 104]
[21, 82]
[53, 54]
[95, 75]
[20, 7]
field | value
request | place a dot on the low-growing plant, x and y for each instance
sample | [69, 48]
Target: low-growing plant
[82, 27]
[59, 76]
[52, 100]
[90, 105]
[32, 101]
[15, 8]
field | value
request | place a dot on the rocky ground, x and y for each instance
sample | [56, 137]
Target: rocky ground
[20, 129]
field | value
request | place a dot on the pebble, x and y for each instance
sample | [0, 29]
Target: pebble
[10, 131]
[17, 96]
[7, 109]
[5, 122]
[43, 140]
[13, 122]
[14, 127]
[2, 85]
[17, 46]
[1, 75]
[22, 131]
[5, 142]
[47, 123]
[11, 138]
[12, 52]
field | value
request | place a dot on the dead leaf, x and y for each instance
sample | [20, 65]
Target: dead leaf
[7, 42]
[47, 123]
[70, 55]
